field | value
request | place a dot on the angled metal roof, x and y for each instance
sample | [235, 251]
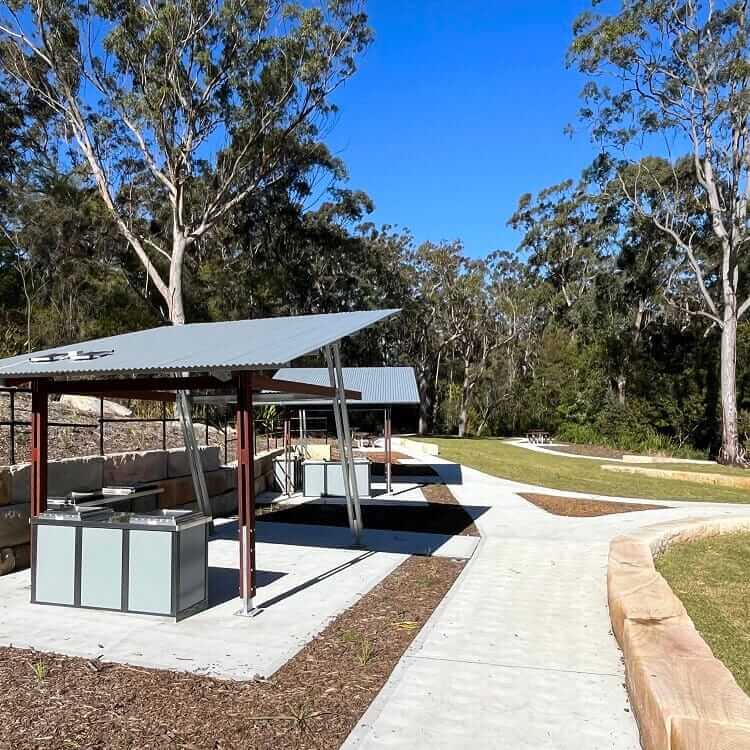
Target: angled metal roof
[258, 344]
[380, 386]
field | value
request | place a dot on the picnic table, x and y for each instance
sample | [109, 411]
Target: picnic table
[361, 439]
[538, 436]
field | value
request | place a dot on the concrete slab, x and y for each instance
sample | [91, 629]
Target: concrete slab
[520, 652]
[301, 589]
[307, 576]
[456, 705]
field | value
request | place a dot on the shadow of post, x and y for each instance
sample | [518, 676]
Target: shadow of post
[224, 583]
[316, 579]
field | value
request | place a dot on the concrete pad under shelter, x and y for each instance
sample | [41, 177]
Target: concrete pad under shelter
[307, 576]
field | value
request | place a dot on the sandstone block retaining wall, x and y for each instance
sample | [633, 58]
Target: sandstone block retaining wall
[170, 469]
[682, 696]
[416, 446]
[698, 477]
[630, 458]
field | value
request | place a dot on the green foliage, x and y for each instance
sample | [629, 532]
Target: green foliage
[627, 433]
[40, 670]
[181, 111]
[265, 418]
[678, 71]
[588, 329]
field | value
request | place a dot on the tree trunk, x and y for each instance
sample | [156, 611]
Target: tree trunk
[463, 417]
[175, 301]
[621, 381]
[424, 402]
[731, 452]
[436, 391]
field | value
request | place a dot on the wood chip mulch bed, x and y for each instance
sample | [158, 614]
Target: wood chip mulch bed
[584, 507]
[313, 701]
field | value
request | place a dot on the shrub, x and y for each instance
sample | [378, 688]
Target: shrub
[571, 432]
[625, 427]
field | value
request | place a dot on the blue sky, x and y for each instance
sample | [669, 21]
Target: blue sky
[459, 108]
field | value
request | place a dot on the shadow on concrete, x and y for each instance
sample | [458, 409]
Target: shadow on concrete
[224, 583]
[431, 517]
[449, 473]
[316, 579]
[422, 473]
[373, 540]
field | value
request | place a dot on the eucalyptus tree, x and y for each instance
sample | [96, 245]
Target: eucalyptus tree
[181, 110]
[562, 234]
[680, 71]
[430, 313]
[499, 341]
[473, 325]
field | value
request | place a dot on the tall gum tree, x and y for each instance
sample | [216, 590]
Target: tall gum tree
[679, 70]
[184, 107]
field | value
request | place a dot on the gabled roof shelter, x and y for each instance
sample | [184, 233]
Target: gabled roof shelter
[166, 362]
[380, 388]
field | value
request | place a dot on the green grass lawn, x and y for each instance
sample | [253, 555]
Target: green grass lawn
[710, 577]
[502, 459]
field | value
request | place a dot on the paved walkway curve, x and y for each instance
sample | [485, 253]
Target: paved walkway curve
[520, 653]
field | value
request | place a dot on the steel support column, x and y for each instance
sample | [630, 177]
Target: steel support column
[348, 438]
[184, 411]
[342, 446]
[39, 403]
[246, 492]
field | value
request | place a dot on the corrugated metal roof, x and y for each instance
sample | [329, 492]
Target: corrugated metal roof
[233, 345]
[380, 386]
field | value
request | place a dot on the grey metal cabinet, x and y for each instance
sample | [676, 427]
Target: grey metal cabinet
[56, 568]
[151, 563]
[326, 478]
[101, 567]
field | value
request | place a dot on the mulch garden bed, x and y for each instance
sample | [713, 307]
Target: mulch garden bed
[583, 507]
[313, 701]
[594, 451]
[378, 457]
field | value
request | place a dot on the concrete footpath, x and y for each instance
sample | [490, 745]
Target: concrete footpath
[520, 653]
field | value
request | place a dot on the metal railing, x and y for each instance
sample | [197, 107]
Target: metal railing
[13, 423]
[317, 427]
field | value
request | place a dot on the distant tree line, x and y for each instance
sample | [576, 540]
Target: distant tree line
[163, 163]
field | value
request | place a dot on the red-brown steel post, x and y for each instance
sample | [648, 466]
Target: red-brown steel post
[388, 450]
[287, 451]
[39, 399]
[246, 491]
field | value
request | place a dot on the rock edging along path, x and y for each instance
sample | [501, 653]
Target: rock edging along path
[683, 697]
